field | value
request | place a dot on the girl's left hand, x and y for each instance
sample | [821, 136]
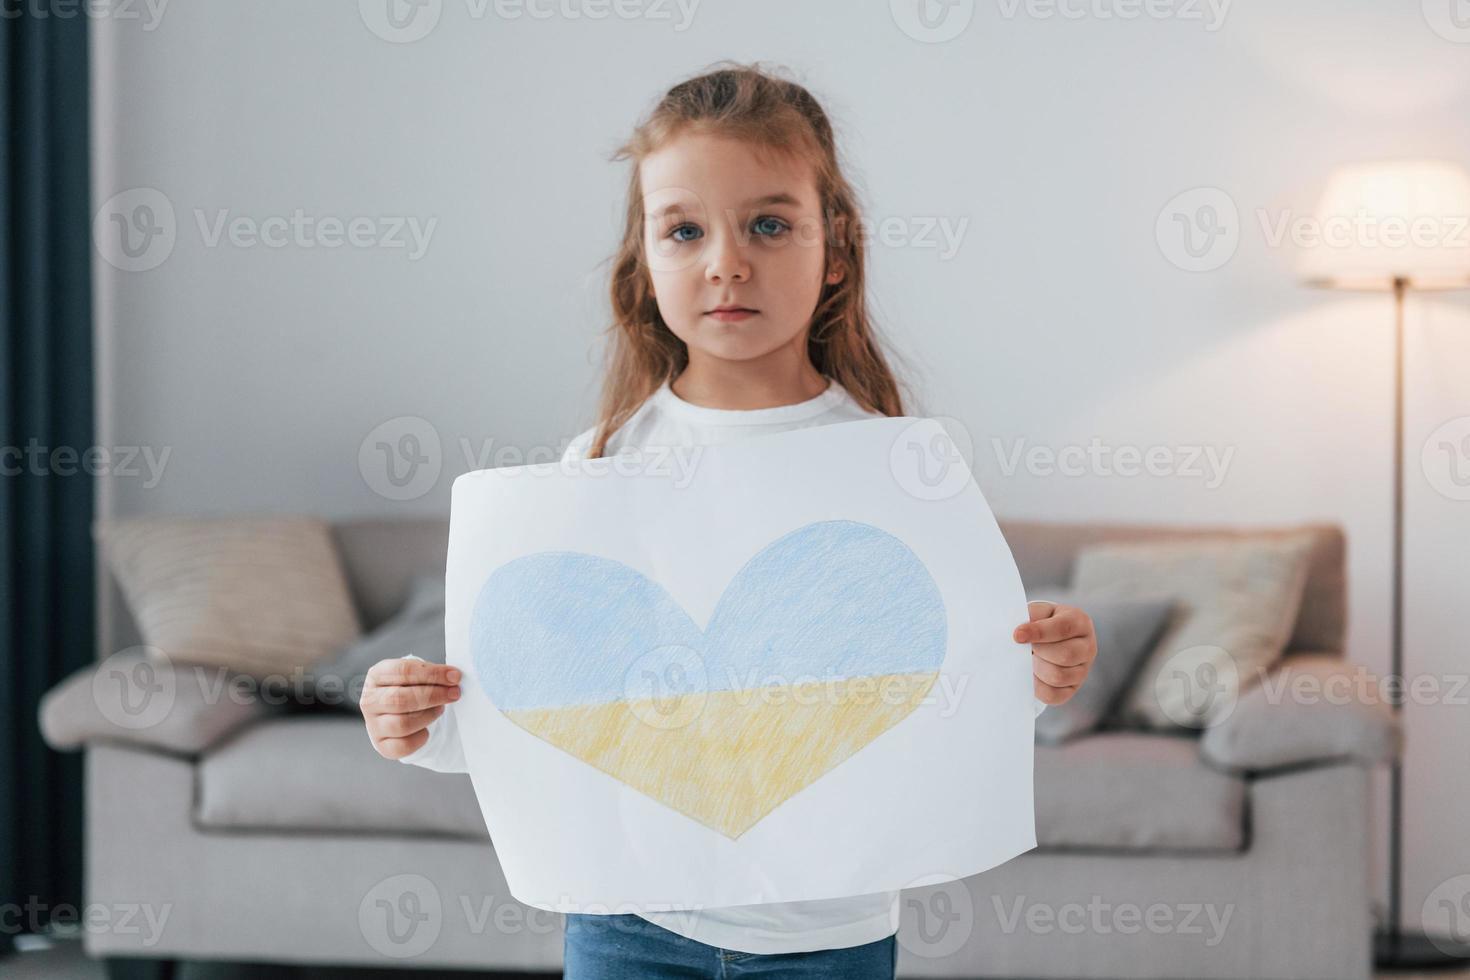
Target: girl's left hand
[1063, 647]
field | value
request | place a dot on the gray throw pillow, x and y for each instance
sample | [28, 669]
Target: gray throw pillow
[417, 628]
[1126, 630]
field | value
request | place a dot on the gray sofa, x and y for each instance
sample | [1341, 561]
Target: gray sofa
[251, 832]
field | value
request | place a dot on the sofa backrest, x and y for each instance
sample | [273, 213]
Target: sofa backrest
[381, 556]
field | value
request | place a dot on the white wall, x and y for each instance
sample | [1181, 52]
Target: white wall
[1059, 319]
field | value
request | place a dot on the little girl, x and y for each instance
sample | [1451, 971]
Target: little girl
[739, 307]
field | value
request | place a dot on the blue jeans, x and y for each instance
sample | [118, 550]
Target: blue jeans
[629, 947]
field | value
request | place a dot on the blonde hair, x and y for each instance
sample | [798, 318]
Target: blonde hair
[778, 116]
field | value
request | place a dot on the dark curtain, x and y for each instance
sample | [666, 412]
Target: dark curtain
[46, 613]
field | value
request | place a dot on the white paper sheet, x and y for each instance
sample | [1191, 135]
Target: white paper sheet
[774, 670]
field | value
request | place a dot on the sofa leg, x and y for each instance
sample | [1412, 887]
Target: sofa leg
[132, 968]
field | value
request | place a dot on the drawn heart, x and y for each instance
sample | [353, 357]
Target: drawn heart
[825, 639]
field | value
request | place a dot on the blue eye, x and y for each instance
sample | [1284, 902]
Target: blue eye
[675, 233]
[780, 225]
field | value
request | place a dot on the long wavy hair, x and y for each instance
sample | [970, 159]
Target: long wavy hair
[778, 116]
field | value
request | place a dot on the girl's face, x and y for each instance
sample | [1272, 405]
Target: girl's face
[724, 228]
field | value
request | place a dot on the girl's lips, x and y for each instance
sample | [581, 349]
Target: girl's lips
[731, 316]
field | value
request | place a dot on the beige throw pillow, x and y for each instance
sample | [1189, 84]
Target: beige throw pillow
[1237, 600]
[259, 596]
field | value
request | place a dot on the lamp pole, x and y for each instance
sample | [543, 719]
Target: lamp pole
[1394, 948]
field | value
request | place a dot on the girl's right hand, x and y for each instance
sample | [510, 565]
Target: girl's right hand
[400, 698]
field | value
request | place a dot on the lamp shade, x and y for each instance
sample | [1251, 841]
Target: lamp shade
[1394, 219]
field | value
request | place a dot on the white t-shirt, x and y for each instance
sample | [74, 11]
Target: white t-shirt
[665, 419]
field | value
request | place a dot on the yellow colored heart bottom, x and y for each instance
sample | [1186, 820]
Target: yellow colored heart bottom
[728, 758]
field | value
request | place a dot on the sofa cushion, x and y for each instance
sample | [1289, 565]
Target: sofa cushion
[263, 596]
[319, 772]
[1127, 791]
[1136, 791]
[1314, 707]
[1237, 601]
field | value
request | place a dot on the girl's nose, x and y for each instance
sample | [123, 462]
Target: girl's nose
[725, 263]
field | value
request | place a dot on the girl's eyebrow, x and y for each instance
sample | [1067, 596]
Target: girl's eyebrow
[781, 198]
[760, 202]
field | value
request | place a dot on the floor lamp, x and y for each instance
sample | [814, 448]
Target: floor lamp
[1394, 226]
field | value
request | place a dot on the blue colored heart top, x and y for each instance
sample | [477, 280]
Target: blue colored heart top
[829, 600]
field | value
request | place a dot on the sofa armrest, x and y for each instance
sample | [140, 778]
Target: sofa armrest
[178, 708]
[1310, 707]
